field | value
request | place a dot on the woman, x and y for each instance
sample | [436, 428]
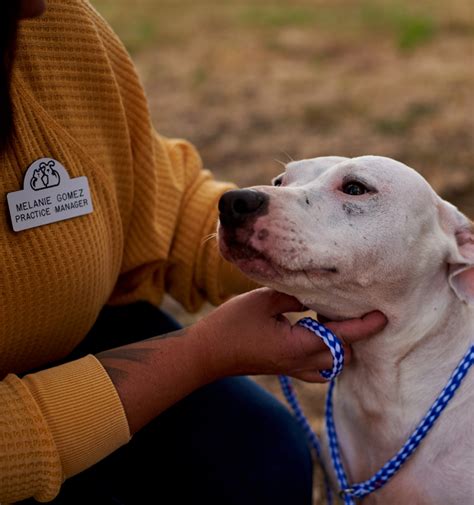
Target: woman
[79, 379]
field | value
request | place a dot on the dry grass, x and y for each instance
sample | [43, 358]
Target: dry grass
[251, 82]
[248, 82]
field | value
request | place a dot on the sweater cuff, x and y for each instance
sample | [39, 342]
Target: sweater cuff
[83, 411]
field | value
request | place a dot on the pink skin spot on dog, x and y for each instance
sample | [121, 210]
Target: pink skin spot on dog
[263, 234]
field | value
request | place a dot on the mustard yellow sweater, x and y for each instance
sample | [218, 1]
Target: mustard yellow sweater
[77, 99]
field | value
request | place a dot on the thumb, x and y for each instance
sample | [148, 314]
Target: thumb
[353, 330]
[277, 303]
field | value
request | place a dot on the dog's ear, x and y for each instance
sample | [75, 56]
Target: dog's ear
[461, 274]
[461, 255]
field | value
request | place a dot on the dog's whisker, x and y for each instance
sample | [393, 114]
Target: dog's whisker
[283, 164]
[209, 237]
[289, 157]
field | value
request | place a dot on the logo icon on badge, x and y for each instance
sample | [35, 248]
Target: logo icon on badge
[45, 176]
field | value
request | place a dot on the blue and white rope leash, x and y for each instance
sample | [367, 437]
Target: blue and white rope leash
[362, 489]
[337, 351]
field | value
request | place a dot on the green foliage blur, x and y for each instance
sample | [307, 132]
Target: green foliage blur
[407, 24]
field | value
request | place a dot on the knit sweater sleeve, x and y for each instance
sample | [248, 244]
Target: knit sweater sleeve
[206, 275]
[54, 424]
[176, 208]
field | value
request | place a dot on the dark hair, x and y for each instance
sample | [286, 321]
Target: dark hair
[8, 29]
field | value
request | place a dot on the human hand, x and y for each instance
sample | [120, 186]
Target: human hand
[248, 335]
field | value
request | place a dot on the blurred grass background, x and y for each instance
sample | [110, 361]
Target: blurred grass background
[249, 82]
[252, 82]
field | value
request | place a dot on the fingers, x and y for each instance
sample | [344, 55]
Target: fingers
[277, 303]
[320, 361]
[353, 330]
[311, 352]
[312, 376]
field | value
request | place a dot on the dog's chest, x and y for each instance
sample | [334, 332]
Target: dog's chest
[440, 472]
[404, 491]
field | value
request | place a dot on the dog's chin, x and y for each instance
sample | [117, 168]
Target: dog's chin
[255, 264]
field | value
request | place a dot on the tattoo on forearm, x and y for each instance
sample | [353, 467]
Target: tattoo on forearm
[117, 375]
[115, 360]
[178, 333]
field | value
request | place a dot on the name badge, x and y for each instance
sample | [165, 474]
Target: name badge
[49, 195]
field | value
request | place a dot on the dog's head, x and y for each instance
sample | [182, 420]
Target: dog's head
[347, 235]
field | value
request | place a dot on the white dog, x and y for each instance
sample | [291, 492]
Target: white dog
[348, 236]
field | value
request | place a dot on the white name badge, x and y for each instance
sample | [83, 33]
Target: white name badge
[48, 196]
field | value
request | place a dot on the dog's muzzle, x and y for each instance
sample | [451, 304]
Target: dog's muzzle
[238, 206]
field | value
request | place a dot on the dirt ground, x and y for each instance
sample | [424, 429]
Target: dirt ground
[250, 83]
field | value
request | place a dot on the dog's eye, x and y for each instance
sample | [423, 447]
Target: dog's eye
[354, 188]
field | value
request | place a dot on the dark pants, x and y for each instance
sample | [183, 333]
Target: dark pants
[228, 443]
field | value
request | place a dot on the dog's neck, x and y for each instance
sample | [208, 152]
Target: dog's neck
[428, 329]
[395, 376]
[423, 339]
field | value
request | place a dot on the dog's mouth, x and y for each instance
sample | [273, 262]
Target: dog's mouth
[259, 264]
[248, 259]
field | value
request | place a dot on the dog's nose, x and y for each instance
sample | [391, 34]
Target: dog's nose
[238, 205]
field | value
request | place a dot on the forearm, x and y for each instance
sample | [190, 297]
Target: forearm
[246, 335]
[152, 375]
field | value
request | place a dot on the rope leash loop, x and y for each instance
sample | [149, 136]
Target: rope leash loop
[333, 343]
